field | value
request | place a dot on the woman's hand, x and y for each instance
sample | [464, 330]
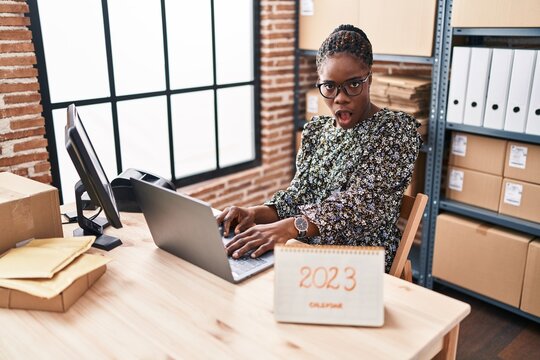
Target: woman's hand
[241, 218]
[261, 238]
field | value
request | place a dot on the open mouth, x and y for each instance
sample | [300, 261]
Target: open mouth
[343, 115]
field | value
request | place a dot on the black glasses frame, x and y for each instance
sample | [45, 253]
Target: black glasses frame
[341, 86]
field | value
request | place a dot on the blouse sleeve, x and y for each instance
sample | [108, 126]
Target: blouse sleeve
[287, 202]
[374, 193]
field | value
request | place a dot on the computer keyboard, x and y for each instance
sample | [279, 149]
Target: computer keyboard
[245, 263]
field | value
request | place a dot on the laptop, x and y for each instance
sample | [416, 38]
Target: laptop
[186, 227]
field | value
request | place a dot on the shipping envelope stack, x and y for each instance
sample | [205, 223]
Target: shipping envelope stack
[409, 94]
[49, 274]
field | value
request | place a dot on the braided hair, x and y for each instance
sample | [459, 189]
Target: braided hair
[346, 39]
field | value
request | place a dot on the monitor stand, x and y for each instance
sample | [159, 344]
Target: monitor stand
[92, 227]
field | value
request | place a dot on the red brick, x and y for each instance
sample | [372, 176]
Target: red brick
[21, 159]
[39, 143]
[15, 34]
[17, 60]
[19, 171]
[17, 47]
[13, 8]
[19, 87]
[42, 167]
[27, 123]
[14, 21]
[22, 134]
[21, 99]
[21, 110]
[18, 73]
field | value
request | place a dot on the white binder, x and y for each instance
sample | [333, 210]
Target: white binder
[520, 90]
[458, 84]
[499, 82]
[533, 118]
[477, 84]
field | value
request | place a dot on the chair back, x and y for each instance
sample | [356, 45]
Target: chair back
[412, 209]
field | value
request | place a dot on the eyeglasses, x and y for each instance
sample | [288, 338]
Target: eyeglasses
[353, 87]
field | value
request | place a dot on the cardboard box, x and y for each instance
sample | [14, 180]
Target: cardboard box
[13, 299]
[530, 297]
[481, 257]
[522, 162]
[318, 18]
[495, 13]
[479, 153]
[388, 25]
[419, 173]
[28, 209]
[315, 104]
[473, 188]
[520, 199]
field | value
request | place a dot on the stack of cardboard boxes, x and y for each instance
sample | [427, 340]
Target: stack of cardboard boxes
[504, 177]
[28, 210]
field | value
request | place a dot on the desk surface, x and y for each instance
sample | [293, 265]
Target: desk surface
[150, 304]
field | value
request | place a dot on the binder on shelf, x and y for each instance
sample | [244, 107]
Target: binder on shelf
[497, 93]
[520, 90]
[533, 118]
[458, 84]
[477, 84]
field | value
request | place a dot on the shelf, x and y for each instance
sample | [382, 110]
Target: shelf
[492, 217]
[385, 57]
[509, 135]
[489, 300]
[496, 32]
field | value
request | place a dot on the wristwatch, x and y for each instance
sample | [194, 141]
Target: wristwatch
[301, 224]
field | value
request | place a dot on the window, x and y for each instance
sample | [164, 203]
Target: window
[165, 86]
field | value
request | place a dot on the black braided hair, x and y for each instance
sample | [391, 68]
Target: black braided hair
[346, 39]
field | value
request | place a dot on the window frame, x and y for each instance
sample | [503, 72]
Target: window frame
[113, 99]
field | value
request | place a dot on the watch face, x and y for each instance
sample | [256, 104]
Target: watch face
[301, 223]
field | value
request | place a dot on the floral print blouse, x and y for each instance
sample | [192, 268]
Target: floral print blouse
[349, 182]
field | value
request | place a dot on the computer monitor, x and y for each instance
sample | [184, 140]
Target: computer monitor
[93, 180]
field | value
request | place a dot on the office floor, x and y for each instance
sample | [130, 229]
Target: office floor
[493, 333]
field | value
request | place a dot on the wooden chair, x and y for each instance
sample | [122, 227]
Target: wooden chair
[412, 209]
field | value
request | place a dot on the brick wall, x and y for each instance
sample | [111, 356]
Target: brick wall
[22, 128]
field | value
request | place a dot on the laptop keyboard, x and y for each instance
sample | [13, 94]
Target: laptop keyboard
[245, 263]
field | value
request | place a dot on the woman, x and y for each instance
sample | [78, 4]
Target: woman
[352, 168]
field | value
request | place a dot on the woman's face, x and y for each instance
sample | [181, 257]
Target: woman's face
[337, 69]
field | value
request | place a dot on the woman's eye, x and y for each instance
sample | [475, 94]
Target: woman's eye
[329, 86]
[354, 84]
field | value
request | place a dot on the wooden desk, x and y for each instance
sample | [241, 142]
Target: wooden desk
[150, 304]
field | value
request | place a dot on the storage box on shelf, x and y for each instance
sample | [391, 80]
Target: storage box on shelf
[481, 257]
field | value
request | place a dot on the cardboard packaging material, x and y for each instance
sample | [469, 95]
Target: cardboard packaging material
[479, 153]
[315, 104]
[14, 299]
[318, 18]
[495, 13]
[522, 162]
[530, 297]
[473, 188]
[28, 209]
[520, 199]
[481, 257]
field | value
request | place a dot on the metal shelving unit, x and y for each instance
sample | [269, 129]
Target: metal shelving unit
[419, 255]
[476, 35]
